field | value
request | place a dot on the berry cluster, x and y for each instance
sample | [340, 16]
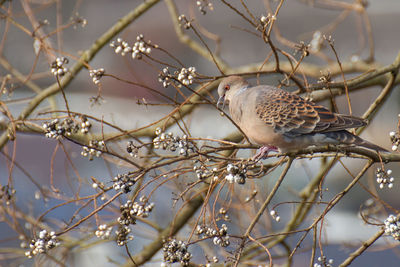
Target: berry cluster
[265, 20]
[383, 178]
[203, 4]
[167, 141]
[202, 172]
[392, 227]
[123, 182]
[165, 77]
[6, 194]
[224, 213]
[220, 236]
[236, 173]
[121, 46]
[139, 48]
[94, 149]
[323, 262]
[45, 242]
[176, 251]
[130, 210]
[395, 139]
[123, 235]
[184, 22]
[58, 66]
[186, 76]
[96, 75]
[275, 215]
[103, 231]
[132, 149]
[58, 128]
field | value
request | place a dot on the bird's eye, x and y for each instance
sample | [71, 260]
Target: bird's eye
[227, 87]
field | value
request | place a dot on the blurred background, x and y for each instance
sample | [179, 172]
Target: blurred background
[42, 158]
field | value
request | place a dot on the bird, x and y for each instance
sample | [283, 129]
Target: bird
[281, 121]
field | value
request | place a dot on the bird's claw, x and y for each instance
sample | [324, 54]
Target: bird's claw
[263, 151]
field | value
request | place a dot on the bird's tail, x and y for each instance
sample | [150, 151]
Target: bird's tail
[345, 137]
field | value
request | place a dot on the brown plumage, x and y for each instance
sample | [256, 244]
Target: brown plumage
[275, 118]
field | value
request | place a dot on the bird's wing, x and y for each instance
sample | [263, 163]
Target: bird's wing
[292, 115]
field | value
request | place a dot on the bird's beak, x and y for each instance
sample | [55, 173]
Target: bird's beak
[220, 101]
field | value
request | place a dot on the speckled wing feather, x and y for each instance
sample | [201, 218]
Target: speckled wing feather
[293, 116]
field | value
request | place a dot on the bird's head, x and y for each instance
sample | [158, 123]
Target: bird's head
[228, 87]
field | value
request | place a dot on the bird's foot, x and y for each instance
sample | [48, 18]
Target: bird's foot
[263, 151]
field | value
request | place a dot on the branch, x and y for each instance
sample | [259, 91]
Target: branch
[185, 39]
[363, 247]
[262, 209]
[84, 59]
[174, 226]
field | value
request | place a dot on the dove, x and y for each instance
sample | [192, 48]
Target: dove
[282, 121]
